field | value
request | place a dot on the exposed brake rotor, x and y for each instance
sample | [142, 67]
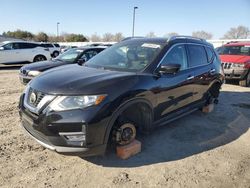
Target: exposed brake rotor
[125, 134]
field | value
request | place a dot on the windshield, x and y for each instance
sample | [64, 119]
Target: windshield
[70, 55]
[235, 50]
[129, 56]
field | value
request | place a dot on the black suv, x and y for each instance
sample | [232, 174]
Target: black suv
[71, 56]
[129, 88]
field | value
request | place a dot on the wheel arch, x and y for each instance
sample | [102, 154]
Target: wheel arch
[39, 55]
[215, 87]
[122, 108]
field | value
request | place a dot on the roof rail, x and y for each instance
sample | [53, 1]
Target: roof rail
[185, 37]
[128, 38]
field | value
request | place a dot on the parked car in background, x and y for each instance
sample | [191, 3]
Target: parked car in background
[131, 87]
[72, 56]
[235, 57]
[65, 48]
[15, 52]
[100, 44]
[218, 50]
[53, 48]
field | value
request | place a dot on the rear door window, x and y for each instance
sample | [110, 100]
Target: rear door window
[27, 45]
[197, 55]
[210, 54]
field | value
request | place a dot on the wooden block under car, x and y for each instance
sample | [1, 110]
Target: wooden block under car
[124, 152]
[207, 109]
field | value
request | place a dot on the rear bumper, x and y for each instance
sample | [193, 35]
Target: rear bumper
[235, 74]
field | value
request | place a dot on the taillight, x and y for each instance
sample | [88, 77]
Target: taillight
[247, 65]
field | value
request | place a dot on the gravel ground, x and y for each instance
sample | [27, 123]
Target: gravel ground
[199, 150]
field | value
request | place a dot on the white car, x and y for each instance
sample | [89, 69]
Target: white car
[53, 48]
[21, 52]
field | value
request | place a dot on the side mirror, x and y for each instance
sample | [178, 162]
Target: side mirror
[1, 48]
[81, 61]
[169, 69]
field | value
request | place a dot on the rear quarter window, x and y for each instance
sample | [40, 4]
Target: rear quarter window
[197, 55]
[47, 45]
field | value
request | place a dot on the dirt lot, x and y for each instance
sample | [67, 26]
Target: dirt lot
[198, 150]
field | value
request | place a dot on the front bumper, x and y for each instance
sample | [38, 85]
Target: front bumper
[235, 74]
[24, 79]
[46, 129]
[80, 151]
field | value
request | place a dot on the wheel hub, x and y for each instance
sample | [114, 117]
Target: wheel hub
[125, 134]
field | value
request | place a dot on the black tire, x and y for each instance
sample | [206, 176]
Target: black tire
[213, 94]
[39, 58]
[246, 81]
[55, 54]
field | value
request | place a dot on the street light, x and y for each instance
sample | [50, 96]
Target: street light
[133, 31]
[57, 29]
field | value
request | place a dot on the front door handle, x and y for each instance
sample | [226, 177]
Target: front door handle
[190, 77]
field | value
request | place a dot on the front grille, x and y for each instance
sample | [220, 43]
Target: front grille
[35, 100]
[39, 97]
[24, 72]
[226, 65]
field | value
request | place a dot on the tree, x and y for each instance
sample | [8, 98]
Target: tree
[95, 38]
[202, 34]
[75, 38]
[118, 37]
[19, 34]
[41, 37]
[107, 37]
[240, 32]
[168, 35]
[151, 34]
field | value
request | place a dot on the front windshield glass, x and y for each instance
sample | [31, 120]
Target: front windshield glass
[129, 56]
[70, 55]
[235, 50]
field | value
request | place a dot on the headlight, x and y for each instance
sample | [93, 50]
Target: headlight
[238, 65]
[62, 103]
[34, 73]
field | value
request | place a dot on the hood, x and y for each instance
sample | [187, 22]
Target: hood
[75, 79]
[235, 58]
[43, 65]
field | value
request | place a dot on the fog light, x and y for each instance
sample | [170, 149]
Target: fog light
[73, 136]
[76, 138]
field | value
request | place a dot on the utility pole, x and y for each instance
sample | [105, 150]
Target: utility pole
[57, 29]
[133, 30]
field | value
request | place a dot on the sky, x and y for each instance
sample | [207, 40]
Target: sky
[101, 16]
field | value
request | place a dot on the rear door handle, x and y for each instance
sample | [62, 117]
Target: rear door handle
[212, 71]
[190, 77]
